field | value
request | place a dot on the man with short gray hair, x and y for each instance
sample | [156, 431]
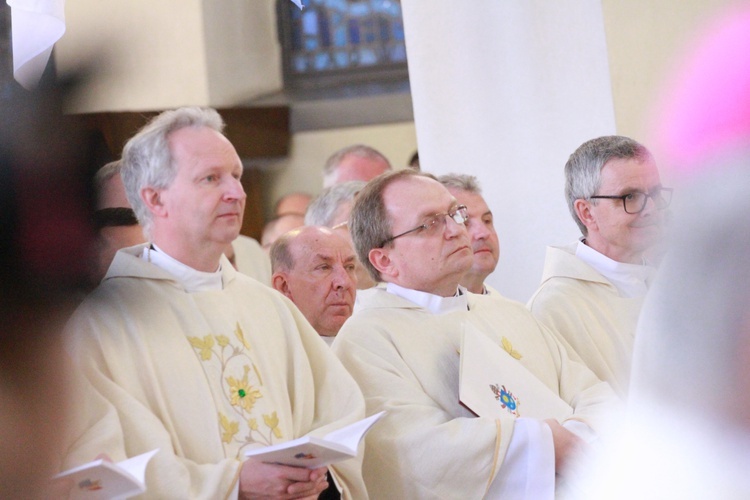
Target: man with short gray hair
[331, 209]
[200, 360]
[592, 291]
[481, 227]
[354, 163]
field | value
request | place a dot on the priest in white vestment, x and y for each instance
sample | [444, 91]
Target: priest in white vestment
[199, 360]
[481, 227]
[315, 267]
[592, 291]
[402, 346]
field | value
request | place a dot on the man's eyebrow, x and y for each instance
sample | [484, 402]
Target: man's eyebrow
[430, 213]
[631, 189]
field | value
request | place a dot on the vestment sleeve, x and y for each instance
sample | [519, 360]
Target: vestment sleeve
[421, 446]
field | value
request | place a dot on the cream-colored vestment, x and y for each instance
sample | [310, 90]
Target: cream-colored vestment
[205, 375]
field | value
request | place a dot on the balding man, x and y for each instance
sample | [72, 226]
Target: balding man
[315, 268]
[278, 226]
[402, 348]
[354, 163]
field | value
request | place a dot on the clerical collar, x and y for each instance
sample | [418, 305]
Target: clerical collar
[631, 280]
[433, 303]
[191, 279]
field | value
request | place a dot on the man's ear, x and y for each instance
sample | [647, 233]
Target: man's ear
[152, 198]
[583, 211]
[380, 259]
[280, 283]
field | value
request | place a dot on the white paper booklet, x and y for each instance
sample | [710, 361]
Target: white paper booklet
[493, 383]
[312, 452]
[101, 479]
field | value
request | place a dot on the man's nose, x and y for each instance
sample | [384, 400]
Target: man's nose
[342, 279]
[453, 228]
[478, 230]
[234, 190]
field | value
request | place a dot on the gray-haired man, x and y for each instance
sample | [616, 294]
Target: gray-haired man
[592, 291]
[199, 360]
[481, 228]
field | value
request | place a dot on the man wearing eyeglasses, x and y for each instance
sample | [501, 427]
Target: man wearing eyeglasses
[402, 346]
[592, 291]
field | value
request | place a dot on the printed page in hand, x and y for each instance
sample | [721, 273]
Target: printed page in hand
[102, 479]
[312, 452]
[493, 383]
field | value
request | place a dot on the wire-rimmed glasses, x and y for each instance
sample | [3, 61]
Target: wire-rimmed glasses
[459, 214]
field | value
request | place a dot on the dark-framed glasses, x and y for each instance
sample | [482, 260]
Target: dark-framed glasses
[459, 214]
[635, 202]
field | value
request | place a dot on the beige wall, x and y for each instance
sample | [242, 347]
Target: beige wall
[169, 53]
[644, 38]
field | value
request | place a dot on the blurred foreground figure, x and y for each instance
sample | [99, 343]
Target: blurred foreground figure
[45, 238]
[688, 431]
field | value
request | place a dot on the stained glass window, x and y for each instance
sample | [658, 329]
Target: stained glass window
[349, 39]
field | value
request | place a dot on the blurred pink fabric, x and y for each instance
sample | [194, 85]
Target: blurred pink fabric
[707, 106]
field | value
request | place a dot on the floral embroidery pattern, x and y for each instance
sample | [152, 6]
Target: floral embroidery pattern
[509, 349]
[242, 393]
[272, 421]
[203, 345]
[229, 428]
[239, 424]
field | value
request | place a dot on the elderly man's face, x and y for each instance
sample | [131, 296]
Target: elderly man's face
[322, 282]
[431, 261]
[619, 235]
[205, 203]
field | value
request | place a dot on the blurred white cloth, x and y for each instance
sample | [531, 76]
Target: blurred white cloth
[36, 25]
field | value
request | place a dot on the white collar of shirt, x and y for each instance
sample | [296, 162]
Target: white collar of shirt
[631, 280]
[191, 279]
[433, 303]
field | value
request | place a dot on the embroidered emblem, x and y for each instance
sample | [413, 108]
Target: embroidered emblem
[506, 398]
[509, 349]
[89, 485]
